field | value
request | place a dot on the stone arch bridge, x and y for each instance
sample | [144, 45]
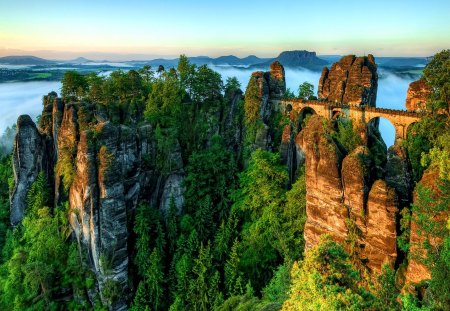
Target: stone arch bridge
[359, 114]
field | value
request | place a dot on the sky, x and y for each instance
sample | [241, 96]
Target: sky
[132, 29]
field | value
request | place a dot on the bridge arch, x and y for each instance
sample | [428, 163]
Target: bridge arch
[387, 129]
[304, 114]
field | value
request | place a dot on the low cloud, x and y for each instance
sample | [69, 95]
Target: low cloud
[26, 97]
[22, 98]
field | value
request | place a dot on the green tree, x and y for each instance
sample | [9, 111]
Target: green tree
[6, 177]
[437, 75]
[186, 72]
[209, 181]
[74, 85]
[326, 281]
[306, 91]
[232, 84]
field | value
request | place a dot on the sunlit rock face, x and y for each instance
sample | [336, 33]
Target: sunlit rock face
[352, 80]
[344, 201]
[417, 95]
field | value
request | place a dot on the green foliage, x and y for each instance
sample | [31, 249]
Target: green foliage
[65, 166]
[306, 91]
[422, 136]
[252, 119]
[165, 146]
[111, 291]
[150, 234]
[430, 213]
[150, 248]
[210, 179]
[405, 227]
[207, 86]
[346, 135]
[272, 220]
[326, 280]
[163, 106]
[288, 94]
[74, 85]
[232, 84]
[38, 263]
[278, 288]
[385, 291]
[6, 175]
[437, 75]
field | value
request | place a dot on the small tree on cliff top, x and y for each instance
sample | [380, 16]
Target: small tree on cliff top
[306, 91]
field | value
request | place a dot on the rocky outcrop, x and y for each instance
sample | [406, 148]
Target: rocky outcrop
[417, 271]
[356, 181]
[29, 159]
[417, 95]
[380, 236]
[324, 209]
[276, 80]
[343, 200]
[262, 89]
[353, 80]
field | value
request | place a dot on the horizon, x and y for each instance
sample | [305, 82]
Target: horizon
[119, 31]
[123, 58]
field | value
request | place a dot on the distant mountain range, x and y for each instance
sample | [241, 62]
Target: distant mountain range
[289, 59]
[24, 60]
[229, 60]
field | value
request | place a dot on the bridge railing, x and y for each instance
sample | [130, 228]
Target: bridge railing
[350, 106]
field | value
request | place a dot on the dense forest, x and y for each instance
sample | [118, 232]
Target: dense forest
[238, 242]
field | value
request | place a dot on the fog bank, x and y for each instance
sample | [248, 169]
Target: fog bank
[26, 97]
[19, 98]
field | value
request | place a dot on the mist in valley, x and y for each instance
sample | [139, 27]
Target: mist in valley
[26, 97]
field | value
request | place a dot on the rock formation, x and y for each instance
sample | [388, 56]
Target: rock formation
[417, 271]
[344, 201]
[111, 168]
[262, 89]
[324, 209]
[417, 95]
[30, 158]
[380, 236]
[353, 80]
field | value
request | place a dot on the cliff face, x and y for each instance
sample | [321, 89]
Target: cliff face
[417, 95]
[30, 158]
[353, 80]
[343, 200]
[106, 170]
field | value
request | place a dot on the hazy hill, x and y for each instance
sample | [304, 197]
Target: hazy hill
[295, 59]
[24, 60]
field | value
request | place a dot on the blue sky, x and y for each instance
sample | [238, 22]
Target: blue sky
[140, 29]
